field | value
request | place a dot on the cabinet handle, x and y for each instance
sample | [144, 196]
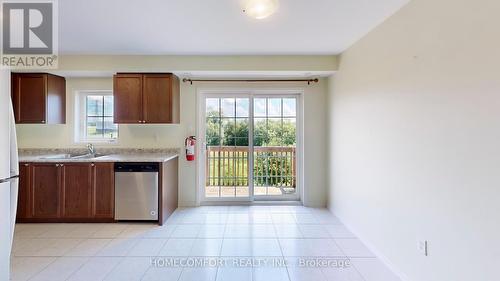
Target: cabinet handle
[43, 121]
[62, 165]
[144, 122]
[26, 165]
[140, 121]
[92, 165]
[57, 165]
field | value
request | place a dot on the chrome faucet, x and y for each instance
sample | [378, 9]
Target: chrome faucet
[91, 149]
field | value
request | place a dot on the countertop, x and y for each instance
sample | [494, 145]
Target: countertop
[109, 155]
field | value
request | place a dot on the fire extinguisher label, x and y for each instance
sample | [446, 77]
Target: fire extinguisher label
[190, 144]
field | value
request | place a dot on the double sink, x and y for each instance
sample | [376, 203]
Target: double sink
[73, 156]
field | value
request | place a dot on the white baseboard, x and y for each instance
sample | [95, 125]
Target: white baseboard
[314, 204]
[387, 262]
[187, 204]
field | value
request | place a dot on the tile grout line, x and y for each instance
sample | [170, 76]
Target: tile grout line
[38, 272]
[78, 269]
[350, 259]
[115, 266]
[282, 253]
[221, 246]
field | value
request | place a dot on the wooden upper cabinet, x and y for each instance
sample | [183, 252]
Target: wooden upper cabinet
[127, 93]
[146, 98]
[39, 98]
[157, 98]
[29, 98]
[56, 99]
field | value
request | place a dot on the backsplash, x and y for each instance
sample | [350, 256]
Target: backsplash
[45, 151]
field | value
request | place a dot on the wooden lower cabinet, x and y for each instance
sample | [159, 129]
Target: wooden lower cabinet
[168, 189]
[45, 191]
[76, 190]
[66, 192]
[104, 191]
[23, 203]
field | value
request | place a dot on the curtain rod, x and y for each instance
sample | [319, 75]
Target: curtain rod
[309, 81]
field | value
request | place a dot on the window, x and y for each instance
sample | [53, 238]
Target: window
[95, 117]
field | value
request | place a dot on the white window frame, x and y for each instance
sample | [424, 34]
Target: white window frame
[81, 117]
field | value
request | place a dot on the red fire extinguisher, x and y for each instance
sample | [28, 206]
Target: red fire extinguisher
[190, 143]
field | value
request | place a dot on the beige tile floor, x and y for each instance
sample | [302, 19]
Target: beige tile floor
[248, 243]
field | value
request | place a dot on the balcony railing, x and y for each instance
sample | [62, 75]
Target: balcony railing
[273, 167]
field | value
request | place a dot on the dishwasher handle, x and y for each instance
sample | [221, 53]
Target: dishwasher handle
[137, 167]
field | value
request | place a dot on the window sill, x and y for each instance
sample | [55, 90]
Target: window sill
[110, 142]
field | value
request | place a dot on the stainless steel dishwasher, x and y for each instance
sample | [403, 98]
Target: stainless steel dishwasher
[136, 191]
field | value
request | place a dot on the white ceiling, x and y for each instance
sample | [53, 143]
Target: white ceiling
[216, 27]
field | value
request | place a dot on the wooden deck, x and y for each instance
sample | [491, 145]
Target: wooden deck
[229, 166]
[242, 191]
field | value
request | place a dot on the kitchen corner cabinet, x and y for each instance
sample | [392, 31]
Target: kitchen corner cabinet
[168, 189]
[38, 98]
[146, 98]
[69, 192]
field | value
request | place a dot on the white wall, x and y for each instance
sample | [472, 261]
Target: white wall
[415, 139]
[166, 63]
[165, 136]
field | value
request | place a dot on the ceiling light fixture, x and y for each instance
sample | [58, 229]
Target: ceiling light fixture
[260, 9]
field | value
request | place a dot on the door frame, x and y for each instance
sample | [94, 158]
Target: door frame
[201, 95]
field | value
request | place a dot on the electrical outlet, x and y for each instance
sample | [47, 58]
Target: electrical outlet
[423, 247]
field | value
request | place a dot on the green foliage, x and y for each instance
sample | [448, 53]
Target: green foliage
[213, 128]
[270, 169]
[234, 131]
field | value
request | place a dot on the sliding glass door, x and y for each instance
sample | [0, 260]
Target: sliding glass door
[274, 147]
[227, 150]
[249, 147]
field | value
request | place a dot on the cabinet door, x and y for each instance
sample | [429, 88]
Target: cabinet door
[77, 190]
[157, 91]
[104, 190]
[23, 201]
[56, 100]
[45, 192]
[29, 93]
[127, 93]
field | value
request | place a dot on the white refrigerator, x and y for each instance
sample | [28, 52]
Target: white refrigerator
[9, 174]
